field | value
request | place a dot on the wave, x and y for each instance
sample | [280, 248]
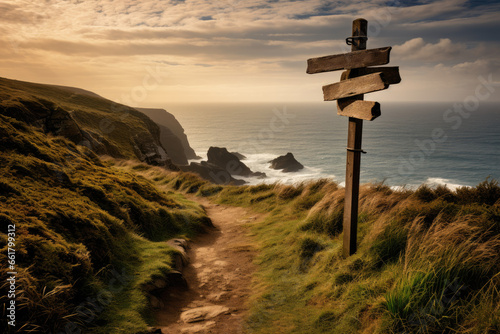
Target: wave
[437, 181]
[259, 162]
[432, 182]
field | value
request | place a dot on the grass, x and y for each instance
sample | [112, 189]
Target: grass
[127, 308]
[427, 260]
[83, 227]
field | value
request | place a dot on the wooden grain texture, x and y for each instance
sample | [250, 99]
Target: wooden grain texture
[355, 59]
[391, 73]
[359, 85]
[352, 107]
[353, 163]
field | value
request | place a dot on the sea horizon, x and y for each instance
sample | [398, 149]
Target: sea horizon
[410, 144]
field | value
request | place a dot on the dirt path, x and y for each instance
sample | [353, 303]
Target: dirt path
[218, 277]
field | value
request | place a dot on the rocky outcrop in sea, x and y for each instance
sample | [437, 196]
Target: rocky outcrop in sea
[286, 163]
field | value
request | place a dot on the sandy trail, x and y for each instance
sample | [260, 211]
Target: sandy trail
[218, 277]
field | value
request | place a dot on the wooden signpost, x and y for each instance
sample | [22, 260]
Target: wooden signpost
[359, 79]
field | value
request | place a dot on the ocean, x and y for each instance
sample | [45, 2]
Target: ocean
[409, 145]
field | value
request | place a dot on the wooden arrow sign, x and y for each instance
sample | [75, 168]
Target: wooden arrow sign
[355, 59]
[358, 80]
[354, 107]
[356, 86]
[391, 73]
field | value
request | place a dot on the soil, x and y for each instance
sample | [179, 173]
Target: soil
[218, 276]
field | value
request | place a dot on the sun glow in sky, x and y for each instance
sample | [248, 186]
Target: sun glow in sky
[155, 52]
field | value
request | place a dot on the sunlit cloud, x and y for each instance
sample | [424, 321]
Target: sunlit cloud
[417, 48]
[104, 45]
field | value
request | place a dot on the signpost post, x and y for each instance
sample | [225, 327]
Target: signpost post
[359, 79]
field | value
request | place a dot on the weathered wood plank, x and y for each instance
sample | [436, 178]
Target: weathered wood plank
[352, 177]
[354, 107]
[355, 59]
[353, 162]
[351, 87]
[391, 73]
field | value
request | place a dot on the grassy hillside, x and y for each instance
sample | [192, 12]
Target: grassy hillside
[427, 260]
[88, 236]
[110, 124]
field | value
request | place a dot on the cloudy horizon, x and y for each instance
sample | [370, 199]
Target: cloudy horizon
[161, 52]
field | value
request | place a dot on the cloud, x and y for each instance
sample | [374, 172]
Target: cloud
[416, 48]
[269, 40]
[474, 68]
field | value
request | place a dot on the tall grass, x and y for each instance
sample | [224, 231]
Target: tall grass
[77, 219]
[443, 266]
[427, 260]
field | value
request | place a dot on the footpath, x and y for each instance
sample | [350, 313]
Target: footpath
[218, 277]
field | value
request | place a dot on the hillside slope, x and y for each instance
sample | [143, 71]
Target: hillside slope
[84, 118]
[86, 235]
[427, 260]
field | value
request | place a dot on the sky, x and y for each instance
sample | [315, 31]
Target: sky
[155, 52]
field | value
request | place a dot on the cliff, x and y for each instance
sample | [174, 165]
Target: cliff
[167, 120]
